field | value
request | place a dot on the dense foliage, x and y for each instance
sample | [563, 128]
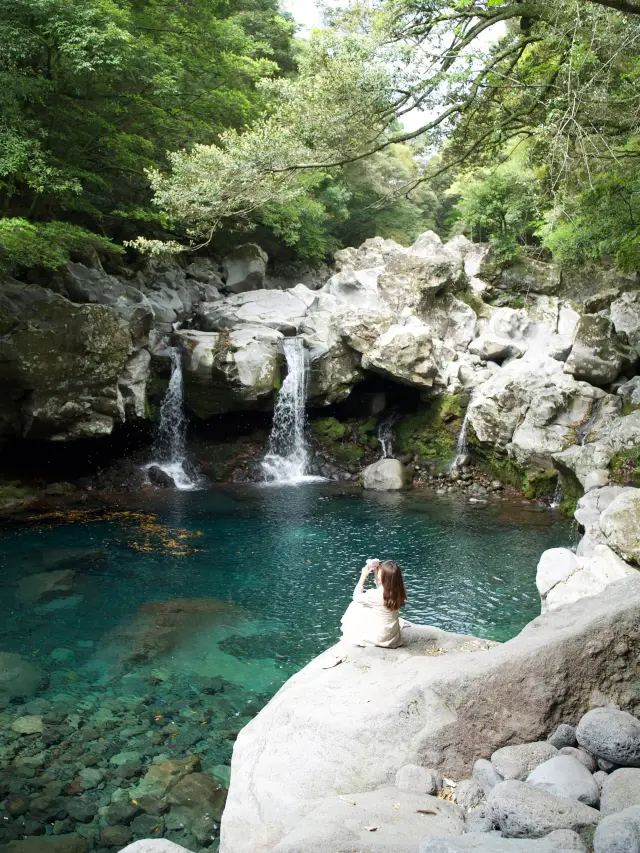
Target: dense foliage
[527, 114]
[93, 93]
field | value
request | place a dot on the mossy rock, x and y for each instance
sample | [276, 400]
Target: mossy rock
[367, 433]
[348, 454]
[431, 433]
[540, 484]
[572, 491]
[474, 302]
[329, 429]
[625, 467]
[14, 496]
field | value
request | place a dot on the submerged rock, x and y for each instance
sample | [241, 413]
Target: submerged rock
[46, 586]
[19, 678]
[162, 778]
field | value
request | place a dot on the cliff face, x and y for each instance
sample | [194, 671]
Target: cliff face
[551, 382]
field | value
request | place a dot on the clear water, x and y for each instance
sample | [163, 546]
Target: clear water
[276, 566]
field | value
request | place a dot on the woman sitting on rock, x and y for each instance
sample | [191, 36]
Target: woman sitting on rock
[372, 617]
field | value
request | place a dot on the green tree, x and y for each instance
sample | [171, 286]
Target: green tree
[501, 205]
[92, 93]
[561, 74]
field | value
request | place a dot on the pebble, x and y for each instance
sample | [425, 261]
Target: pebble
[486, 775]
[121, 813]
[565, 776]
[147, 826]
[125, 758]
[82, 809]
[115, 836]
[468, 794]
[582, 756]
[17, 804]
[522, 811]
[91, 778]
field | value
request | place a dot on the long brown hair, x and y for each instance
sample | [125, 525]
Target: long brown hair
[394, 593]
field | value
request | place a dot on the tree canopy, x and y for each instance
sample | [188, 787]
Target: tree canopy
[530, 107]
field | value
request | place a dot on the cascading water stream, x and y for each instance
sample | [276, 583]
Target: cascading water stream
[583, 430]
[386, 435]
[557, 497]
[170, 447]
[462, 448]
[287, 454]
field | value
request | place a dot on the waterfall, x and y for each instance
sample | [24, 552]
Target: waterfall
[286, 459]
[557, 497]
[462, 448]
[170, 446]
[583, 430]
[385, 434]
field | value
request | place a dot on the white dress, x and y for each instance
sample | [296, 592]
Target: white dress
[367, 622]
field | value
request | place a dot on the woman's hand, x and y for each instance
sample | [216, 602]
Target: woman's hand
[370, 566]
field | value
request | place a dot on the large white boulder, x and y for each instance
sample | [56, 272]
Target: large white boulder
[625, 316]
[439, 701]
[564, 576]
[597, 355]
[617, 435]
[620, 524]
[283, 310]
[532, 410]
[386, 475]
[223, 372]
[404, 353]
[382, 821]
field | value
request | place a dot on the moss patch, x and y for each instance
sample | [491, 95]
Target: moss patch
[347, 442]
[329, 429]
[625, 467]
[431, 432]
[572, 491]
[540, 484]
[14, 496]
